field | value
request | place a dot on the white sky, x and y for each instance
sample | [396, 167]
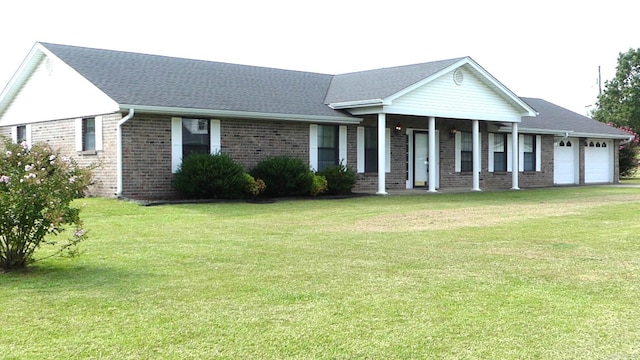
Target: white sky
[549, 49]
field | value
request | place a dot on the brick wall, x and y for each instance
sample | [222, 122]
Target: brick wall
[60, 134]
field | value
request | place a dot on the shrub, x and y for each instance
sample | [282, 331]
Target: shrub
[210, 176]
[629, 152]
[253, 187]
[37, 186]
[284, 176]
[318, 185]
[340, 179]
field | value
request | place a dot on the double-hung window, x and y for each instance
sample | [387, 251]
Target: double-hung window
[466, 151]
[21, 134]
[529, 151]
[196, 137]
[327, 146]
[499, 152]
[370, 149]
[89, 134]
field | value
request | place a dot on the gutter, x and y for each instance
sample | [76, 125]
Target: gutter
[119, 150]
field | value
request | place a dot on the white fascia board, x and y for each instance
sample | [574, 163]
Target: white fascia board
[21, 75]
[356, 104]
[449, 114]
[239, 114]
[565, 133]
[601, 136]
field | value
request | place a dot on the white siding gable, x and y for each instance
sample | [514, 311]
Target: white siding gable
[472, 98]
[55, 91]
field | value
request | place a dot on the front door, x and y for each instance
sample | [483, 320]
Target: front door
[420, 159]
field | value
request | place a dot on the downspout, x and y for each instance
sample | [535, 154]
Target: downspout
[119, 150]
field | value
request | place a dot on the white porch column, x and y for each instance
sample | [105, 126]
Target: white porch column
[432, 154]
[475, 133]
[382, 152]
[514, 157]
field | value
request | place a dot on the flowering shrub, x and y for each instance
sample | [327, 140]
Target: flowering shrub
[253, 187]
[37, 186]
[628, 154]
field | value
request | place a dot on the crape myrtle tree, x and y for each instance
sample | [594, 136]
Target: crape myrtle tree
[37, 188]
[619, 106]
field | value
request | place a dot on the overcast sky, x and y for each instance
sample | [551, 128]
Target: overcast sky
[545, 49]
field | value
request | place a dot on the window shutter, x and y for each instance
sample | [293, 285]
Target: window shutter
[176, 143]
[98, 125]
[14, 134]
[520, 152]
[360, 145]
[313, 146]
[78, 134]
[387, 145]
[342, 145]
[538, 152]
[458, 149]
[216, 144]
[509, 152]
[491, 159]
[28, 131]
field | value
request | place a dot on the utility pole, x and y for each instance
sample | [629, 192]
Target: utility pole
[599, 82]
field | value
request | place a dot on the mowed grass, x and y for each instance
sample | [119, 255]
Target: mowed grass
[531, 274]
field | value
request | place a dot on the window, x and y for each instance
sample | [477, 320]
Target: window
[195, 137]
[466, 151]
[529, 150]
[370, 149]
[500, 152]
[327, 146]
[88, 134]
[21, 134]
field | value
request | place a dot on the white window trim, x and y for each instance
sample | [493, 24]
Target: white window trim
[215, 140]
[458, 150]
[313, 147]
[491, 152]
[98, 127]
[360, 149]
[14, 134]
[342, 145]
[538, 140]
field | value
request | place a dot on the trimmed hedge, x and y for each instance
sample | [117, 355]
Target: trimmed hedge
[340, 179]
[210, 176]
[284, 176]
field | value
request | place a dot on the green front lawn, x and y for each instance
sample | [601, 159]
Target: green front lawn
[535, 274]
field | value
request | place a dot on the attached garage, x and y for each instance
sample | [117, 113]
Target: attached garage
[598, 161]
[565, 161]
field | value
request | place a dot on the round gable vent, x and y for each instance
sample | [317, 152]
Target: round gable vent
[458, 77]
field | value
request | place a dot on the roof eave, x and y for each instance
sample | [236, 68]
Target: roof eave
[356, 104]
[240, 114]
[564, 133]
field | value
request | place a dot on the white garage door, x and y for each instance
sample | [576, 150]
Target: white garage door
[598, 161]
[565, 161]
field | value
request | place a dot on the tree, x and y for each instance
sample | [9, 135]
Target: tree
[37, 187]
[619, 103]
[628, 153]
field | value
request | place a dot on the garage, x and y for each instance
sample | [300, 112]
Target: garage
[565, 161]
[598, 161]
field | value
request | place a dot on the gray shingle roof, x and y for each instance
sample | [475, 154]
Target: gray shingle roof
[381, 83]
[554, 117]
[151, 80]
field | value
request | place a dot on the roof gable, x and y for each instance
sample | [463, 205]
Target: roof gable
[429, 89]
[45, 88]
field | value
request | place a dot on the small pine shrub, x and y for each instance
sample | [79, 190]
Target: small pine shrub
[284, 176]
[318, 185]
[210, 176]
[340, 179]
